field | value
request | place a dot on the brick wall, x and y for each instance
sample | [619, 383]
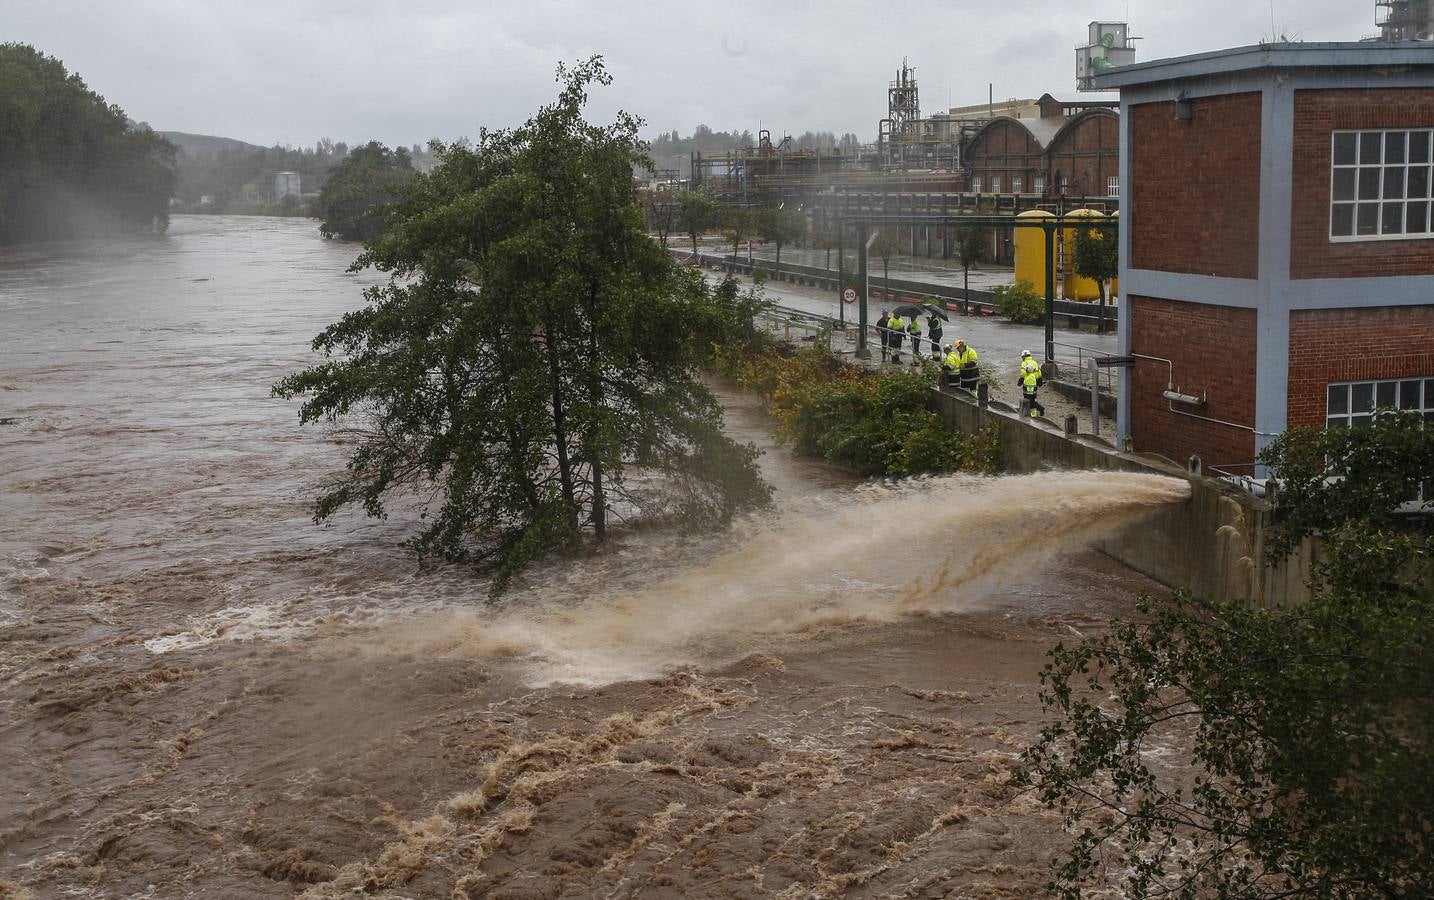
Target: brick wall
[1354, 345]
[1004, 149]
[1195, 187]
[1213, 349]
[1085, 153]
[1317, 113]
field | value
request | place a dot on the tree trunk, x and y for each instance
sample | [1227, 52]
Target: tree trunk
[560, 417]
[886, 278]
[694, 245]
[778, 264]
[595, 446]
[966, 290]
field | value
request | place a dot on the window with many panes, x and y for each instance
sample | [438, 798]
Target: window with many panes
[995, 184]
[1040, 184]
[1016, 183]
[1353, 405]
[976, 184]
[1379, 185]
[1112, 186]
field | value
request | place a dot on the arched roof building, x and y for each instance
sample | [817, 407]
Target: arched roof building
[1071, 149]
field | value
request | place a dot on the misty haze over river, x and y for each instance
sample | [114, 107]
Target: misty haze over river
[201, 690]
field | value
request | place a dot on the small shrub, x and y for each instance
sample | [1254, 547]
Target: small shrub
[1020, 303]
[879, 424]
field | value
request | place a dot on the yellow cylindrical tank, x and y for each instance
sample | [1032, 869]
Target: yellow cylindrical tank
[1030, 244]
[1115, 282]
[1076, 287]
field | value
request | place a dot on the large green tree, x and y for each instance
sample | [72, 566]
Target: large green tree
[70, 163]
[1097, 257]
[696, 212]
[782, 227]
[533, 348]
[1224, 750]
[354, 202]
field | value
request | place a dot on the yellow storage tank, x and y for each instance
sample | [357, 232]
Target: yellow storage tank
[1075, 287]
[1030, 243]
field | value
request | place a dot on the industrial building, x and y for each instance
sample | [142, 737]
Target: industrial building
[1277, 254]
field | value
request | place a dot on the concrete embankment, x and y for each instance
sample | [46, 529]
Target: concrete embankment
[1213, 544]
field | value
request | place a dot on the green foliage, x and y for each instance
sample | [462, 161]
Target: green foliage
[782, 227]
[532, 348]
[738, 223]
[71, 164]
[1329, 477]
[354, 203]
[879, 424]
[696, 212]
[1302, 738]
[1020, 303]
[1097, 254]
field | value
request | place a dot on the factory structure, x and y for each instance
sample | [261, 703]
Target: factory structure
[1277, 220]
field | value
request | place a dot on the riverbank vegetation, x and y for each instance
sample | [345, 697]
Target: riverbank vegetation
[359, 191]
[532, 352]
[73, 165]
[878, 423]
[1224, 750]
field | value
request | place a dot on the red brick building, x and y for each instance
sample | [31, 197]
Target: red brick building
[1277, 258]
[1071, 149]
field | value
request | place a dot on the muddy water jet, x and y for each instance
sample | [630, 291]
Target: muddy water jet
[880, 553]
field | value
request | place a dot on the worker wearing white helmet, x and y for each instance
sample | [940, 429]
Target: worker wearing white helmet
[1030, 381]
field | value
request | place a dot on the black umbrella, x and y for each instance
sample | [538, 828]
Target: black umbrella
[911, 310]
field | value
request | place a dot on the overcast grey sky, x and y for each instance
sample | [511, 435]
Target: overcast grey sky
[402, 71]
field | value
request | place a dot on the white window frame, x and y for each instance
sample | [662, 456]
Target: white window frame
[1112, 185]
[1038, 185]
[1017, 182]
[976, 184]
[1374, 395]
[1356, 184]
[995, 184]
[1403, 399]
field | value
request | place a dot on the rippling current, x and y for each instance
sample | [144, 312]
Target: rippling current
[203, 691]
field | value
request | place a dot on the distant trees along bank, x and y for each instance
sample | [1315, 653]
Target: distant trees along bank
[73, 164]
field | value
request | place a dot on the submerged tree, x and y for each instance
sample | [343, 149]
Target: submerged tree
[532, 349]
[1307, 732]
[782, 227]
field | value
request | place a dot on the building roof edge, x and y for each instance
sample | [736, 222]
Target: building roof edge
[1269, 56]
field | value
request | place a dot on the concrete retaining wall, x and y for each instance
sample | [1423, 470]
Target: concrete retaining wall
[1213, 544]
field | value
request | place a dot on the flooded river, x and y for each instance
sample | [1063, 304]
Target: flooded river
[203, 692]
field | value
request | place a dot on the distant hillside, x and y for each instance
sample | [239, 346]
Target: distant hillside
[197, 145]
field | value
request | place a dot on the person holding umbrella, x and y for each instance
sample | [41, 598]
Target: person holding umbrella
[933, 331]
[913, 328]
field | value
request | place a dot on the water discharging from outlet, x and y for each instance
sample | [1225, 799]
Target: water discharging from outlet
[880, 553]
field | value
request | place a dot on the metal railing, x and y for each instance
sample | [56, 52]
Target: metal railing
[1075, 366]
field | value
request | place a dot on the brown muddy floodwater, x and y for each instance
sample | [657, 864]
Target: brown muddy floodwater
[201, 692]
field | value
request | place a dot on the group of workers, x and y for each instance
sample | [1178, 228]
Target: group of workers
[957, 360]
[894, 330]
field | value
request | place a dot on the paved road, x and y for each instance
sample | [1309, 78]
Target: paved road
[998, 342]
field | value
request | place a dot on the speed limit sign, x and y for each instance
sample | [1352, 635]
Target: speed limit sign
[849, 295]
